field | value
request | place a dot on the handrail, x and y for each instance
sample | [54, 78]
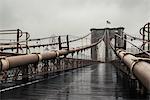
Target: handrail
[139, 67]
[15, 61]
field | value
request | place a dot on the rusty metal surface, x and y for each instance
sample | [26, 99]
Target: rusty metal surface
[96, 82]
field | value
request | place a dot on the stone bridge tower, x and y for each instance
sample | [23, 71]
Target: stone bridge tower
[109, 34]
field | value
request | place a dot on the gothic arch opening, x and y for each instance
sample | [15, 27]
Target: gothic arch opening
[101, 51]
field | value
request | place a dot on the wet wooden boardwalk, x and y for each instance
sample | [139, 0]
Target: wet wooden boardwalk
[96, 82]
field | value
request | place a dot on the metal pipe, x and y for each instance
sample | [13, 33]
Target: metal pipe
[140, 68]
[48, 55]
[14, 61]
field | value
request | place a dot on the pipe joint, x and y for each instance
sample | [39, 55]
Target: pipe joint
[137, 60]
[125, 54]
[4, 64]
[119, 50]
[57, 53]
[132, 66]
[39, 56]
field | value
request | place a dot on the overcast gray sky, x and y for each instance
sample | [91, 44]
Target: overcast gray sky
[42, 17]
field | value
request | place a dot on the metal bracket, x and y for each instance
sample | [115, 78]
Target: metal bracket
[135, 61]
[126, 53]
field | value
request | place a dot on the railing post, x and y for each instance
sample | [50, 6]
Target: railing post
[59, 41]
[125, 42]
[115, 42]
[45, 68]
[67, 38]
[143, 38]
[17, 41]
[24, 73]
[148, 31]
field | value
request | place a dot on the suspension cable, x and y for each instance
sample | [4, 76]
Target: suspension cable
[12, 43]
[133, 45]
[13, 47]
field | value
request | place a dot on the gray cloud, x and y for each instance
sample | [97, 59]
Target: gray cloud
[41, 17]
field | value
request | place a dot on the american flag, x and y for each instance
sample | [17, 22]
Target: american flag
[108, 22]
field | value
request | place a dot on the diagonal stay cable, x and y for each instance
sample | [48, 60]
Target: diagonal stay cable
[133, 45]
